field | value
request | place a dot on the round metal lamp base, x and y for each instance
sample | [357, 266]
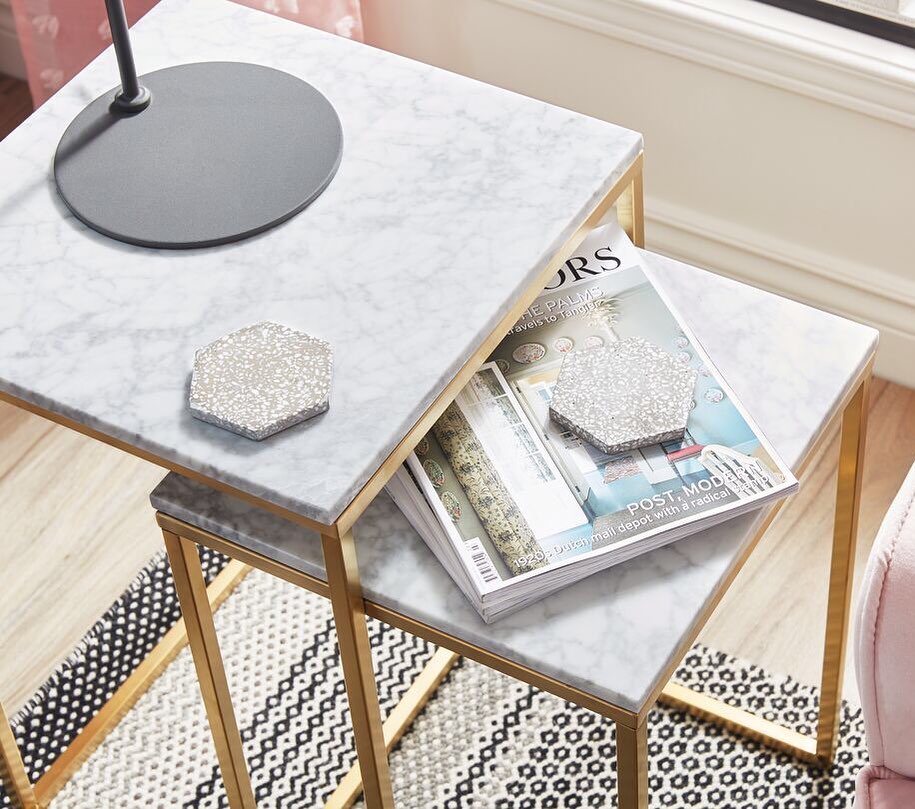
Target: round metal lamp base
[223, 151]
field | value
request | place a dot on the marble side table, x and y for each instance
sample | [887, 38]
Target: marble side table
[454, 204]
[611, 642]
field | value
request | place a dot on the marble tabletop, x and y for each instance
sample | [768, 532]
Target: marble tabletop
[617, 633]
[451, 198]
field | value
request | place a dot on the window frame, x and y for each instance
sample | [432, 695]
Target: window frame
[844, 17]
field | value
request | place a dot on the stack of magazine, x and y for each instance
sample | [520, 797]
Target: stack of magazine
[516, 506]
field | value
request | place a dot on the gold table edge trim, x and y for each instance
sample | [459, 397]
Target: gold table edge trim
[631, 181]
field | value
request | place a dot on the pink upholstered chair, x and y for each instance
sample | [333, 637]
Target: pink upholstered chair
[885, 640]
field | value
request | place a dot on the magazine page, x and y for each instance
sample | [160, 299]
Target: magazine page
[519, 493]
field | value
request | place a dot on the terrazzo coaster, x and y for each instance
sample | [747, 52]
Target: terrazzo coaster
[261, 379]
[626, 395]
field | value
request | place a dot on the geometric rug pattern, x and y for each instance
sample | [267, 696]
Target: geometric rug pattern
[483, 741]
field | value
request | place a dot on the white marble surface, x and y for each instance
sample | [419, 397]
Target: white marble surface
[451, 196]
[615, 634]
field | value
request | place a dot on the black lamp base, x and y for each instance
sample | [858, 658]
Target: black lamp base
[224, 150]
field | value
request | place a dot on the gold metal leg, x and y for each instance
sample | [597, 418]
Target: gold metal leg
[630, 209]
[198, 620]
[820, 749]
[12, 771]
[736, 720]
[137, 684]
[373, 740]
[397, 723]
[638, 210]
[356, 658]
[842, 569]
[632, 766]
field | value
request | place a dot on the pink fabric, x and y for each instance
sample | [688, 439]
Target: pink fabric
[885, 661]
[60, 37]
[897, 794]
[879, 788]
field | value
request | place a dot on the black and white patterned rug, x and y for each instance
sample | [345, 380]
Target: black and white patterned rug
[484, 740]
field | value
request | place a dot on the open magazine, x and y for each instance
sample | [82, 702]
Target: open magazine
[516, 506]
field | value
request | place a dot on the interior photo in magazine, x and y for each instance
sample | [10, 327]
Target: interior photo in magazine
[530, 492]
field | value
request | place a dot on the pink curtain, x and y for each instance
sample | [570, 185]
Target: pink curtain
[60, 37]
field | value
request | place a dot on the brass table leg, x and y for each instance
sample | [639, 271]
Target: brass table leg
[842, 569]
[632, 766]
[356, 658]
[201, 633]
[638, 210]
[821, 748]
[137, 684]
[12, 771]
[398, 722]
[630, 207]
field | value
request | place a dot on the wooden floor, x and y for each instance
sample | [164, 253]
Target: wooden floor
[15, 104]
[75, 525]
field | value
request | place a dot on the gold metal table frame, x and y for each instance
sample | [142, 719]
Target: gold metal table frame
[375, 739]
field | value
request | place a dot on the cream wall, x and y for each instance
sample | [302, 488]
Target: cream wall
[801, 186]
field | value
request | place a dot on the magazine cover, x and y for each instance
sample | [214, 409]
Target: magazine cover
[519, 493]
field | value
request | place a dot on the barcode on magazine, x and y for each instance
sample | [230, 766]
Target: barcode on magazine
[481, 562]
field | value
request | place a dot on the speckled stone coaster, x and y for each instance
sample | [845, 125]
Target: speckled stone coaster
[261, 379]
[628, 394]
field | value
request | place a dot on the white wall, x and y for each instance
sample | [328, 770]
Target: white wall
[770, 156]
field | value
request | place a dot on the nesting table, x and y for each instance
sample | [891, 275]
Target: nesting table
[454, 205]
[611, 642]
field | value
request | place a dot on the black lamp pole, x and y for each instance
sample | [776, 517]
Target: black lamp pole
[133, 97]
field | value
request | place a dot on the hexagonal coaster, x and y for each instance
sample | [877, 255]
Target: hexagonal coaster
[626, 395]
[261, 379]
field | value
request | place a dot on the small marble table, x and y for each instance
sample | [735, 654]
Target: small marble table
[454, 204]
[611, 642]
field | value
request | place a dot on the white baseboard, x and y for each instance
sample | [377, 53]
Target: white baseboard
[11, 61]
[829, 282]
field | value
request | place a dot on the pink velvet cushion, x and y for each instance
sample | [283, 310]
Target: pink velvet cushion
[879, 788]
[885, 639]
[895, 794]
